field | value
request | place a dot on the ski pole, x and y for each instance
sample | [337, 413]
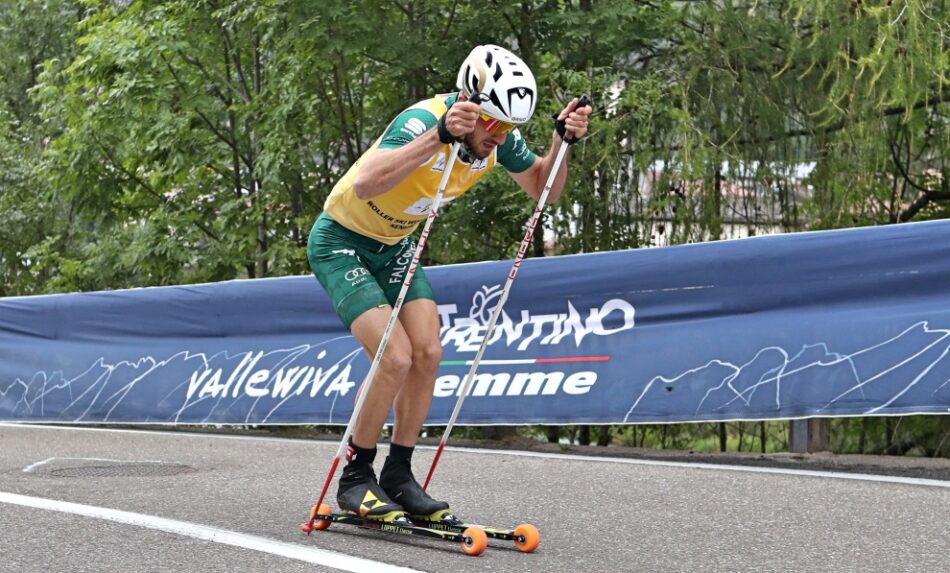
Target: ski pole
[368, 381]
[469, 378]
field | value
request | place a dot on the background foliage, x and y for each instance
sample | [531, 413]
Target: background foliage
[166, 142]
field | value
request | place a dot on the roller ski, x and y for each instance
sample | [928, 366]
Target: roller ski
[473, 540]
[526, 536]
[366, 504]
[397, 481]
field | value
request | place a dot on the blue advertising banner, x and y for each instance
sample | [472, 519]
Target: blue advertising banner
[852, 322]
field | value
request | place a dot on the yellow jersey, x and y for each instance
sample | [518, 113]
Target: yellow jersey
[395, 214]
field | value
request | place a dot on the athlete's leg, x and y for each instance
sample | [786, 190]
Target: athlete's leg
[346, 264]
[391, 376]
[420, 321]
[358, 490]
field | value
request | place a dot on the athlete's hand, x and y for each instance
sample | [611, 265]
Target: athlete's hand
[575, 118]
[461, 117]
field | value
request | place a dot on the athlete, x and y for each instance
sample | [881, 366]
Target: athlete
[361, 247]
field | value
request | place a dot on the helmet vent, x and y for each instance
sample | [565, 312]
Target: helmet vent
[494, 99]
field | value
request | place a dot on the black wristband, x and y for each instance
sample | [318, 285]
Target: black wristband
[444, 135]
[560, 125]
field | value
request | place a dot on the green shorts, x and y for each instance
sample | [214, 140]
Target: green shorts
[360, 273]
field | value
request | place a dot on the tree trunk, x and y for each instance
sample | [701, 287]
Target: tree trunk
[583, 435]
[863, 438]
[715, 222]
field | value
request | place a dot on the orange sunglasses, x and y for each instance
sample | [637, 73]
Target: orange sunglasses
[495, 126]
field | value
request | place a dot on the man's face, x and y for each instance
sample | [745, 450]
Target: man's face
[481, 142]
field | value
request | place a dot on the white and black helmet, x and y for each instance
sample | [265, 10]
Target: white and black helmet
[504, 79]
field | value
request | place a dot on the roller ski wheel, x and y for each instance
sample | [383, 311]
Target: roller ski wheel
[526, 536]
[315, 523]
[473, 539]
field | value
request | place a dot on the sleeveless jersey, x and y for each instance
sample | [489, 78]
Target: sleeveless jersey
[395, 214]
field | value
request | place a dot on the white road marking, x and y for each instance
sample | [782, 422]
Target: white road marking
[723, 467]
[564, 457]
[33, 466]
[322, 557]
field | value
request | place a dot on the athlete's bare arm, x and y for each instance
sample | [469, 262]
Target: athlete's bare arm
[533, 179]
[385, 168]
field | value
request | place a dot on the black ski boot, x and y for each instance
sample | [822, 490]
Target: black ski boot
[358, 491]
[397, 481]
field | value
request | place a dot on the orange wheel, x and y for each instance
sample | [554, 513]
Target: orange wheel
[527, 538]
[319, 524]
[474, 541]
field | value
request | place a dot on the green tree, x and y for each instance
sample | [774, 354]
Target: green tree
[881, 133]
[32, 214]
[185, 141]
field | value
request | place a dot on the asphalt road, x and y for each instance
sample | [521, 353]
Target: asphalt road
[594, 515]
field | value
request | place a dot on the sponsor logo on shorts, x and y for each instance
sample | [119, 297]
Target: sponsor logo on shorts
[398, 273]
[356, 275]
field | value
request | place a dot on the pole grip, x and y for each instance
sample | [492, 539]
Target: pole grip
[560, 125]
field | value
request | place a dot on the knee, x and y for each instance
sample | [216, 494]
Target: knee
[427, 356]
[397, 362]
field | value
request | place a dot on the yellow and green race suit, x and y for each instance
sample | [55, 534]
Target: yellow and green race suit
[359, 249]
